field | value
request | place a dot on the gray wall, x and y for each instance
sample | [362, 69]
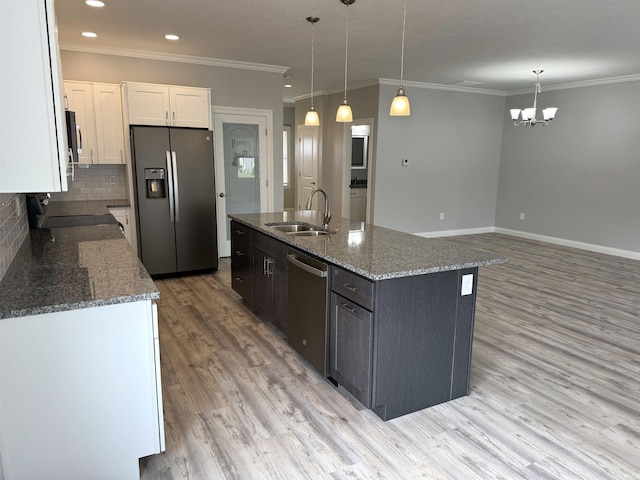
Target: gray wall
[453, 142]
[229, 87]
[578, 179]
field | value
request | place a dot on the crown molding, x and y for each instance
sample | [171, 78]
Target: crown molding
[437, 86]
[168, 57]
[585, 83]
[350, 88]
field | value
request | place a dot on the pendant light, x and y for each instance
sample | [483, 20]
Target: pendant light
[344, 113]
[311, 119]
[400, 106]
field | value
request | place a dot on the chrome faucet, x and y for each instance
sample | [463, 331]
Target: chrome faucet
[327, 211]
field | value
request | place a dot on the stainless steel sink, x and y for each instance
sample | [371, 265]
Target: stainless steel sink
[309, 233]
[301, 229]
[294, 228]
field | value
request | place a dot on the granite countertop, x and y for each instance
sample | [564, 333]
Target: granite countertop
[61, 269]
[376, 253]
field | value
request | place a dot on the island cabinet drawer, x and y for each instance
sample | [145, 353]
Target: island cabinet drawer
[240, 253]
[270, 246]
[240, 233]
[351, 286]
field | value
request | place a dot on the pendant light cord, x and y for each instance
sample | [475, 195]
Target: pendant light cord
[346, 52]
[404, 21]
[312, 23]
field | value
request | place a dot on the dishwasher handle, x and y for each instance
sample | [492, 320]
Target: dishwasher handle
[307, 268]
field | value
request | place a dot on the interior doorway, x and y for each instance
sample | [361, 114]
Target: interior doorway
[308, 165]
[358, 167]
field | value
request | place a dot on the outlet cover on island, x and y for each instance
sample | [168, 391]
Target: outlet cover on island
[522, 216]
[467, 284]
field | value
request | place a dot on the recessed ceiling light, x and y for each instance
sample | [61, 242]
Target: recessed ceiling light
[94, 3]
[287, 85]
[172, 37]
[89, 34]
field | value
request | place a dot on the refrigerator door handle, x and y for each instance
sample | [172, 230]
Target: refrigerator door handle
[175, 185]
[170, 184]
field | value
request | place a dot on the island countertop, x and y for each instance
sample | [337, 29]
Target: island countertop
[376, 253]
[62, 269]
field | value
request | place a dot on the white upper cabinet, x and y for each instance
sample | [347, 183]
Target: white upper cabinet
[168, 105]
[33, 157]
[98, 108]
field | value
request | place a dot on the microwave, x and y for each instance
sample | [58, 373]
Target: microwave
[359, 151]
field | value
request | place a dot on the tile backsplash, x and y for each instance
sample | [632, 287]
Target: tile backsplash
[14, 227]
[96, 182]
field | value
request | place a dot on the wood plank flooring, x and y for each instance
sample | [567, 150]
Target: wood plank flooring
[555, 384]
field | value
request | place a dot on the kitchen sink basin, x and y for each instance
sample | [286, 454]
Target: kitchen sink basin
[300, 229]
[294, 228]
[309, 233]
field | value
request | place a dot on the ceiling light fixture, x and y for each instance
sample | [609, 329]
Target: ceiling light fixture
[94, 3]
[529, 114]
[344, 113]
[89, 34]
[400, 106]
[311, 119]
[172, 37]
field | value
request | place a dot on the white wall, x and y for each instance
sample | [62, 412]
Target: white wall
[229, 87]
[452, 141]
[579, 178]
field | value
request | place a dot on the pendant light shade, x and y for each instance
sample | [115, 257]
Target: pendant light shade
[400, 106]
[311, 119]
[344, 113]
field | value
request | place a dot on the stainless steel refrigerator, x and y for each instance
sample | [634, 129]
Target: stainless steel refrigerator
[175, 199]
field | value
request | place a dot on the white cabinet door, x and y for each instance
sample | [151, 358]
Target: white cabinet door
[122, 215]
[79, 97]
[190, 107]
[358, 206]
[107, 101]
[98, 108]
[33, 157]
[90, 405]
[148, 104]
[175, 106]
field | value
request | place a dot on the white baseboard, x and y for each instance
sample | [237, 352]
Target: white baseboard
[534, 236]
[570, 243]
[451, 233]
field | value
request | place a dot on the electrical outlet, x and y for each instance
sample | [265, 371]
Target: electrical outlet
[405, 162]
[441, 215]
[522, 216]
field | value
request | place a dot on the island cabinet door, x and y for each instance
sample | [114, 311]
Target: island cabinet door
[350, 347]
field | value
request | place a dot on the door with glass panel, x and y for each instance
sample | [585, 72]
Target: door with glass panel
[242, 161]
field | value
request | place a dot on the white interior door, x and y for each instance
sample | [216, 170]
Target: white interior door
[308, 165]
[244, 168]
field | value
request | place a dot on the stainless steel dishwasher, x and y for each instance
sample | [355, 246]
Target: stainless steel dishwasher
[308, 303]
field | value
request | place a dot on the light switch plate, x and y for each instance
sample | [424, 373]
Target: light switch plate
[467, 284]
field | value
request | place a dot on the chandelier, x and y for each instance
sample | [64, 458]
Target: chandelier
[529, 114]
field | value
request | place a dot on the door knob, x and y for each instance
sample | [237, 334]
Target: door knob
[221, 194]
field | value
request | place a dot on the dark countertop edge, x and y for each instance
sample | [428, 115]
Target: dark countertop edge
[371, 276]
[65, 307]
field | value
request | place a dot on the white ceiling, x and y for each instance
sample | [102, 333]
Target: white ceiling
[495, 42]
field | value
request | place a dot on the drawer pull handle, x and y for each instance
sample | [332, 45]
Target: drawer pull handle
[239, 279]
[239, 232]
[349, 287]
[348, 308]
[240, 254]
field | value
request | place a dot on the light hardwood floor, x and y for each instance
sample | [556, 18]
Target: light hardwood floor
[555, 384]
